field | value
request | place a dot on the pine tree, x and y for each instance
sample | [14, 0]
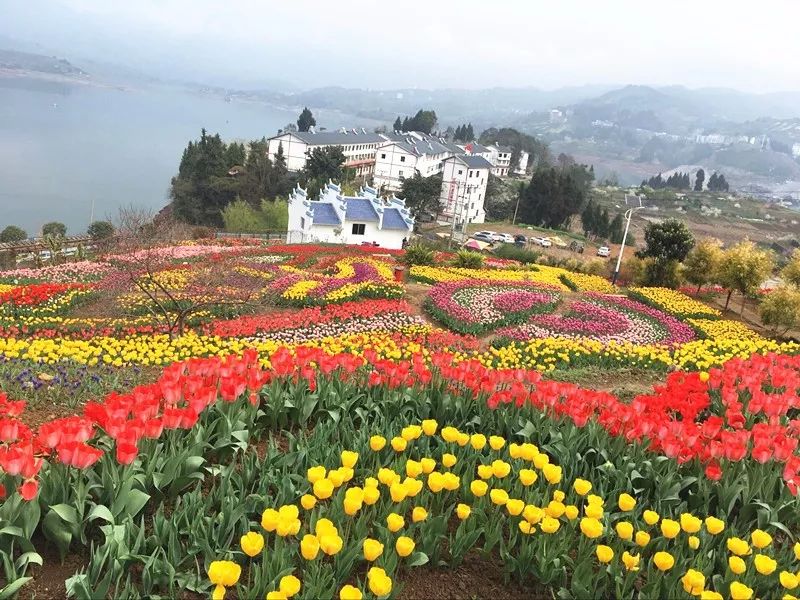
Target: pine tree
[469, 134]
[306, 120]
[398, 124]
[699, 179]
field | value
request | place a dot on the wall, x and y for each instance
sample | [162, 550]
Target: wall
[388, 170]
[294, 149]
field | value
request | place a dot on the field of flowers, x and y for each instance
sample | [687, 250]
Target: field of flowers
[323, 430]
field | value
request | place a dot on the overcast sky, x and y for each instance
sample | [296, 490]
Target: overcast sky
[753, 46]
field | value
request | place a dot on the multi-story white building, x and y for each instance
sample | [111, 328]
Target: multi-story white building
[408, 153]
[357, 145]
[464, 180]
[500, 157]
[338, 219]
[522, 164]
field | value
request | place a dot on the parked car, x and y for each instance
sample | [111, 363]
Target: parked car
[542, 241]
[558, 242]
[576, 246]
[604, 251]
[506, 238]
[520, 240]
[483, 236]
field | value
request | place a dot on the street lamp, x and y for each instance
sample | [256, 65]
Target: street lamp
[628, 215]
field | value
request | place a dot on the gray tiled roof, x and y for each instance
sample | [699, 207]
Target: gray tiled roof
[392, 219]
[359, 209]
[478, 148]
[335, 138]
[474, 162]
[324, 214]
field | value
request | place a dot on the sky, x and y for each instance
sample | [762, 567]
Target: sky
[426, 44]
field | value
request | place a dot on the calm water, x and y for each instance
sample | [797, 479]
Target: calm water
[63, 147]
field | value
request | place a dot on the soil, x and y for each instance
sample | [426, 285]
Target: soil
[48, 580]
[477, 577]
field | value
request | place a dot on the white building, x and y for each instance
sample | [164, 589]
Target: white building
[365, 218]
[522, 165]
[408, 153]
[357, 145]
[500, 157]
[464, 189]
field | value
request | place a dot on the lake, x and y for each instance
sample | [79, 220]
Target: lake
[65, 147]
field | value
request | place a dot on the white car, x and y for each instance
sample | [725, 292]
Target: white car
[542, 241]
[604, 251]
[506, 238]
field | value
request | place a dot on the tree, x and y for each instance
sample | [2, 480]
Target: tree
[422, 194]
[398, 124]
[554, 196]
[424, 121]
[780, 309]
[667, 244]
[55, 229]
[306, 120]
[100, 230]
[702, 262]
[12, 234]
[241, 217]
[323, 164]
[616, 229]
[668, 240]
[539, 153]
[743, 268]
[698, 182]
[791, 272]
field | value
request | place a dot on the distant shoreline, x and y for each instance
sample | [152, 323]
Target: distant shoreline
[6, 73]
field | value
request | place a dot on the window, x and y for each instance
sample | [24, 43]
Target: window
[400, 174]
[302, 223]
[402, 159]
[358, 228]
[383, 154]
[461, 171]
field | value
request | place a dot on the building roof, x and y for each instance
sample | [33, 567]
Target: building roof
[324, 214]
[477, 148]
[392, 219]
[336, 138]
[360, 209]
[474, 161]
[503, 148]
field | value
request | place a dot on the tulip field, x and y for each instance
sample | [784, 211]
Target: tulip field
[242, 420]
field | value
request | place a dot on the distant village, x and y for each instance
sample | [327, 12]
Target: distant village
[385, 160]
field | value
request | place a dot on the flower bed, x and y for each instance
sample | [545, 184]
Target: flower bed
[674, 302]
[478, 306]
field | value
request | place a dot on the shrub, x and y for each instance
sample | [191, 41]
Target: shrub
[418, 254]
[202, 233]
[100, 230]
[468, 260]
[513, 252]
[780, 310]
[11, 234]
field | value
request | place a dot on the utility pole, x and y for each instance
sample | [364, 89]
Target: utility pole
[456, 213]
[519, 197]
[628, 215]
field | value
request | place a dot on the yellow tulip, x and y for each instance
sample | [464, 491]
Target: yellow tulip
[624, 530]
[404, 545]
[765, 564]
[377, 443]
[309, 547]
[419, 514]
[289, 585]
[738, 546]
[664, 561]
[651, 517]
[550, 525]
[429, 426]
[631, 561]
[740, 591]
[387, 476]
[348, 592]
[372, 549]
[693, 582]
[737, 565]
[269, 519]
[428, 465]
[690, 523]
[308, 501]
[527, 476]
[485, 471]
[515, 506]
[710, 595]
[224, 572]
[349, 458]
[323, 489]
[714, 525]
[670, 528]
[500, 468]
[463, 511]
[604, 553]
[330, 544]
[582, 487]
[626, 502]
[496, 442]
[478, 488]
[571, 512]
[760, 539]
[371, 495]
[498, 496]
[789, 580]
[477, 441]
[591, 528]
[642, 538]
[449, 434]
[694, 542]
[593, 511]
[399, 444]
[552, 473]
[395, 522]
[252, 543]
[462, 439]
[218, 593]
[448, 460]
[314, 474]
[276, 595]
[379, 583]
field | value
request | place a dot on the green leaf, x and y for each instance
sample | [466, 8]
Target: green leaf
[27, 558]
[135, 502]
[100, 511]
[67, 513]
[418, 559]
[12, 588]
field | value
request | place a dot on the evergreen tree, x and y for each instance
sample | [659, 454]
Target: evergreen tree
[306, 120]
[616, 229]
[398, 124]
[555, 195]
[459, 134]
[699, 179]
[12, 234]
[54, 229]
[405, 126]
[469, 134]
